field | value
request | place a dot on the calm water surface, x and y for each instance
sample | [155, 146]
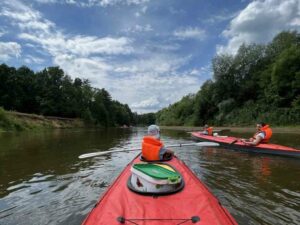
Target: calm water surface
[42, 181]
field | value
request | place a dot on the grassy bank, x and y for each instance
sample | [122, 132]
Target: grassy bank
[14, 121]
[286, 129]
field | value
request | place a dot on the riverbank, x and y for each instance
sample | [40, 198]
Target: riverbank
[15, 121]
[287, 129]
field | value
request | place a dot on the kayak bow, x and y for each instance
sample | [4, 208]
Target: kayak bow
[194, 204]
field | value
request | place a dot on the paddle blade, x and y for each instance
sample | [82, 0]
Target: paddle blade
[89, 155]
[93, 154]
[207, 144]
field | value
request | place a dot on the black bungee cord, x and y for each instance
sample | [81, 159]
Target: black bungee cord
[194, 219]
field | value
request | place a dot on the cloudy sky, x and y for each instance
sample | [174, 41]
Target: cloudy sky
[146, 53]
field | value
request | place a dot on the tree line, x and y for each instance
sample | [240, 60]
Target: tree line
[51, 92]
[258, 83]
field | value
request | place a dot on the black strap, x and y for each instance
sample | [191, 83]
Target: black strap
[194, 219]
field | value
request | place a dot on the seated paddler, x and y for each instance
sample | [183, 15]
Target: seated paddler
[152, 148]
[207, 130]
[262, 135]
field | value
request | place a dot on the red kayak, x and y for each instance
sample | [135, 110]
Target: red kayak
[236, 144]
[193, 203]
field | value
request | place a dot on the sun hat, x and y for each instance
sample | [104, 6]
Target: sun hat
[153, 130]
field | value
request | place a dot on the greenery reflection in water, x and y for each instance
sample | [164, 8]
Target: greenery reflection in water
[44, 182]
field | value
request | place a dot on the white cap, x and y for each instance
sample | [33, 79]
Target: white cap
[153, 130]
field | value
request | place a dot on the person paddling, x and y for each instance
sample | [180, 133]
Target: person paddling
[263, 135]
[152, 148]
[207, 130]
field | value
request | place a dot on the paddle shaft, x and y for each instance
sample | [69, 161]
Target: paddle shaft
[200, 144]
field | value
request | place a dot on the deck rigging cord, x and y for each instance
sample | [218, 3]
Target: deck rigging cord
[193, 219]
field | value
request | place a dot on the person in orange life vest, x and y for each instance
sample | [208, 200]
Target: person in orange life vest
[263, 135]
[152, 148]
[207, 130]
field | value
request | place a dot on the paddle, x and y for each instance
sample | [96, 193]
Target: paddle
[236, 140]
[199, 144]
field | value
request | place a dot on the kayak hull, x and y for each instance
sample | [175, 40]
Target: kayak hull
[235, 144]
[118, 204]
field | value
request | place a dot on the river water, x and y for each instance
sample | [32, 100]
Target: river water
[42, 181]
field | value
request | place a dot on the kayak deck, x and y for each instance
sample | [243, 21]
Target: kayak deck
[235, 144]
[195, 200]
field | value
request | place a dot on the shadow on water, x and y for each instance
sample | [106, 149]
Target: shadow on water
[44, 182]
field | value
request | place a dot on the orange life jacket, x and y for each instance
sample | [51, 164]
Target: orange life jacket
[209, 131]
[267, 132]
[151, 148]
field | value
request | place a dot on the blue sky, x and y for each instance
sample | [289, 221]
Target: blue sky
[146, 53]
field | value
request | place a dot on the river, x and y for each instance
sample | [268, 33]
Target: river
[42, 181]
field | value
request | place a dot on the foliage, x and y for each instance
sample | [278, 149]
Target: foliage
[180, 113]
[258, 83]
[51, 92]
[7, 122]
[145, 119]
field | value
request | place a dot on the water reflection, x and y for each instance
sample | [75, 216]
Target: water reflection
[44, 182]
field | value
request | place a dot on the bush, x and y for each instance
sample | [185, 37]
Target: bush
[9, 123]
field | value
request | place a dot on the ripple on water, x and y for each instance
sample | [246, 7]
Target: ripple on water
[292, 194]
[61, 186]
[17, 187]
[38, 179]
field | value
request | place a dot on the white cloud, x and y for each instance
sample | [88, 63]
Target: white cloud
[25, 18]
[94, 68]
[220, 17]
[2, 32]
[114, 2]
[143, 10]
[145, 85]
[58, 44]
[296, 22]
[149, 91]
[29, 59]
[145, 80]
[42, 31]
[9, 50]
[190, 33]
[139, 28]
[153, 83]
[92, 3]
[46, 1]
[259, 22]
[155, 64]
[176, 11]
[162, 47]
[151, 103]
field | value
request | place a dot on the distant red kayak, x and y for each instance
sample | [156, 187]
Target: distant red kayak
[193, 204]
[235, 144]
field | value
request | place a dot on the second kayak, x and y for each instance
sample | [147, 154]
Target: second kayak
[193, 203]
[235, 144]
